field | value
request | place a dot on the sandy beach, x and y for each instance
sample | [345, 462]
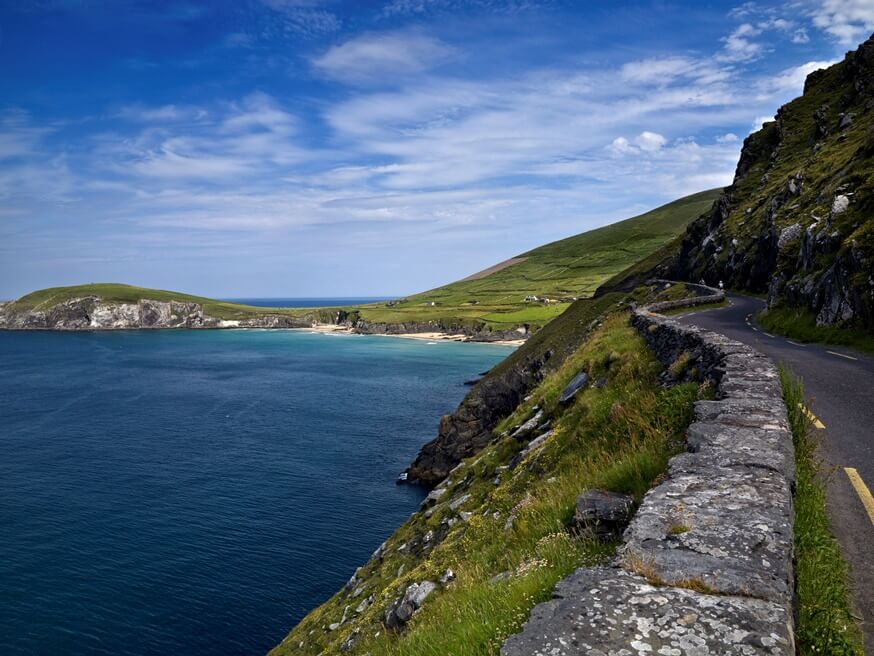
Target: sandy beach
[428, 337]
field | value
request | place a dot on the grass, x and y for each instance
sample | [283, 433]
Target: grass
[619, 438]
[800, 324]
[119, 293]
[825, 622]
[695, 308]
[562, 271]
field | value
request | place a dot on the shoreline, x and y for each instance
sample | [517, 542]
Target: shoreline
[428, 337]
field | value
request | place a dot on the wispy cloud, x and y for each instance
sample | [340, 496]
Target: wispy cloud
[848, 21]
[375, 57]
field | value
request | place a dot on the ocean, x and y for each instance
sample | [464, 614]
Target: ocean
[328, 301]
[197, 492]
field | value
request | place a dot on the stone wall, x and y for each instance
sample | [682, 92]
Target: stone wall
[706, 564]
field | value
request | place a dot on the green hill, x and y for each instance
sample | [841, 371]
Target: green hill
[491, 300]
[561, 271]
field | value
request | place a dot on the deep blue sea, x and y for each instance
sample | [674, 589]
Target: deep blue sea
[328, 301]
[197, 492]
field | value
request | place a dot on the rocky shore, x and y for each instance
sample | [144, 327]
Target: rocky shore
[93, 313]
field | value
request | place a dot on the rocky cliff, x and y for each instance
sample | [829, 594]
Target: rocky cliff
[798, 220]
[93, 313]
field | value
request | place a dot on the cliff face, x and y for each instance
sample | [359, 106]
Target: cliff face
[798, 220]
[93, 313]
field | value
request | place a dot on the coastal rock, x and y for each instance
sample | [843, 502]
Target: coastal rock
[603, 513]
[93, 313]
[402, 610]
[570, 391]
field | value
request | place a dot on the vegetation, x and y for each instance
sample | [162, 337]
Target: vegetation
[825, 622]
[509, 541]
[561, 271]
[800, 324]
[118, 293]
[695, 308]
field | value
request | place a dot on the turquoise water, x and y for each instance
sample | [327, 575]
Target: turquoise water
[197, 492]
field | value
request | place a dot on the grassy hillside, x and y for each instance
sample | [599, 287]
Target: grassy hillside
[501, 526]
[561, 271]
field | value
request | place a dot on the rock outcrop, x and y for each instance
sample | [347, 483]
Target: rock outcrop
[798, 220]
[706, 564]
[93, 313]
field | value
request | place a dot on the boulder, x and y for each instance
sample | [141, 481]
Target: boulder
[840, 204]
[525, 430]
[603, 513]
[400, 612]
[788, 235]
[579, 382]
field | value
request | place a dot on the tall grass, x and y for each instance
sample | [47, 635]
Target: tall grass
[517, 542]
[800, 324]
[825, 622]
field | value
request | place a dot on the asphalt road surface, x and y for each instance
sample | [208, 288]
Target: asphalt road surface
[839, 385]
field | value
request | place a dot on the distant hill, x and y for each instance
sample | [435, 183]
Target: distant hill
[491, 301]
[560, 271]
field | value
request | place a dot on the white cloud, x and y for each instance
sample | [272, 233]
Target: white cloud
[161, 114]
[620, 146]
[662, 71]
[650, 141]
[19, 137]
[800, 36]
[738, 47]
[759, 121]
[848, 21]
[792, 79]
[728, 137]
[373, 57]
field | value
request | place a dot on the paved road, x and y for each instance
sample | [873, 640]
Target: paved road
[839, 384]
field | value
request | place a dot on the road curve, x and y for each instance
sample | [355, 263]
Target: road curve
[839, 384]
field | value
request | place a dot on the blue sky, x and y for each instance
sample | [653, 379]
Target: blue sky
[323, 147]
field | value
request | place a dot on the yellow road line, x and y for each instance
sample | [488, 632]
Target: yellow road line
[862, 490]
[813, 418]
[841, 355]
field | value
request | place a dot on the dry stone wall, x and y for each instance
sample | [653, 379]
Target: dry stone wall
[706, 564]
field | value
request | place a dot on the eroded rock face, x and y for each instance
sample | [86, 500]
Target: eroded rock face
[93, 313]
[806, 240]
